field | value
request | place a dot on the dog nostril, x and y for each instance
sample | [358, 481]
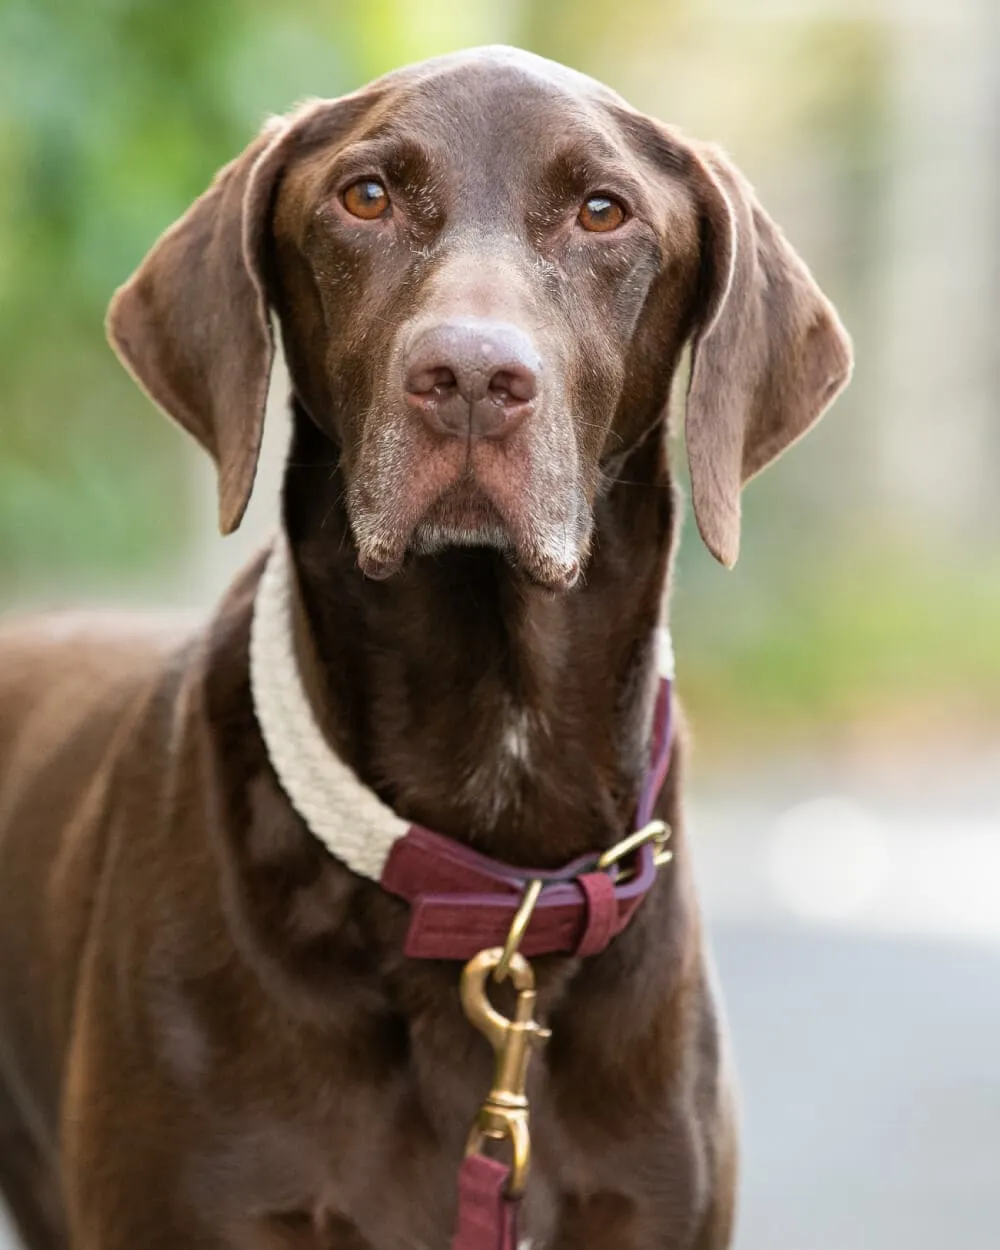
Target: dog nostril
[436, 382]
[512, 386]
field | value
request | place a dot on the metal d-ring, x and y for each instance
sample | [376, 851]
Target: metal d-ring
[656, 831]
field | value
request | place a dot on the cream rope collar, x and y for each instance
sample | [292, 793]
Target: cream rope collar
[349, 819]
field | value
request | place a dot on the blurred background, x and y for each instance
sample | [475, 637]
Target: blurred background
[844, 681]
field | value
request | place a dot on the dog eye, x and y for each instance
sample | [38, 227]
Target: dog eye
[367, 199]
[601, 213]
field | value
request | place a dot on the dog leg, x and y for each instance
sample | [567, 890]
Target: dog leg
[717, 1230]
[27, 1183]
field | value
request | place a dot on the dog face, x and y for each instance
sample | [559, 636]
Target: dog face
[484, 269]
[470, 266]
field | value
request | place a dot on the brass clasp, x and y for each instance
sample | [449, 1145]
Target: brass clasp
[504, 1114]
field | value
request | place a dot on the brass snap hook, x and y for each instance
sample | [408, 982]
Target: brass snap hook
[504, 1114]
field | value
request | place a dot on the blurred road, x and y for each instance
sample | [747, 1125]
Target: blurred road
[858, 943]
[870, 1071]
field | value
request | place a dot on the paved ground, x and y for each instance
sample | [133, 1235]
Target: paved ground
[858, 941]
[870, 1071]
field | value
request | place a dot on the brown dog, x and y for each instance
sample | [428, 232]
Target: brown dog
[485, 269]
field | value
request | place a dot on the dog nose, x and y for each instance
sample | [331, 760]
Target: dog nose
[472, 378]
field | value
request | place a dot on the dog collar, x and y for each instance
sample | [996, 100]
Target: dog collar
[461, 901]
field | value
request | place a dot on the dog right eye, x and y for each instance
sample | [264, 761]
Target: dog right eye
[367, 198]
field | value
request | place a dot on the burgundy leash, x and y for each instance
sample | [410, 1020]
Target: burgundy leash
[487, 1214]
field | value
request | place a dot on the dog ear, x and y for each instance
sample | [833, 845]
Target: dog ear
[769, 353]
[192, 324]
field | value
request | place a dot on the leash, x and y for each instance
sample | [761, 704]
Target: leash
[489, 1192]
[463, 905]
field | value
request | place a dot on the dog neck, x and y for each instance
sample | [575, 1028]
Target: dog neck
[468, 700]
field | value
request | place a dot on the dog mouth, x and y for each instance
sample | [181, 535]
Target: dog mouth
[435, 506]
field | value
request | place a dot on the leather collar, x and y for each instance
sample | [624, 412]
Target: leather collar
[461, 901]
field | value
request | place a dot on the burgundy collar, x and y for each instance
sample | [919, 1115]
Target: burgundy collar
[462, 902]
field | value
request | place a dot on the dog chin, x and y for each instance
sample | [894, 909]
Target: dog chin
[431, 537]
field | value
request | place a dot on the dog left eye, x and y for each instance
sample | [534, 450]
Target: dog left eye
[601, 213]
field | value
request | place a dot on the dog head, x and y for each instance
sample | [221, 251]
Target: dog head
[484, 269]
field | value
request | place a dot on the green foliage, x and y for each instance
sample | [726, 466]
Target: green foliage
[113, 117]
[869, 634]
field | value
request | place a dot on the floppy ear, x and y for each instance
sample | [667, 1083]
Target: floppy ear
[769, 356]
[192, 323]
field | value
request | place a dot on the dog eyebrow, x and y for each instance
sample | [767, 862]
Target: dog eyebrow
[403, 160]
[581, 167]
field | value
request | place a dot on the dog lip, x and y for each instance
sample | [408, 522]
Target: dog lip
[378, 569]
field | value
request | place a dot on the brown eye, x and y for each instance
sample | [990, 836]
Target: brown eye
[601, 213]
[367, 199]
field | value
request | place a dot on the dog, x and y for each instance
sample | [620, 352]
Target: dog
[216, 1028]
